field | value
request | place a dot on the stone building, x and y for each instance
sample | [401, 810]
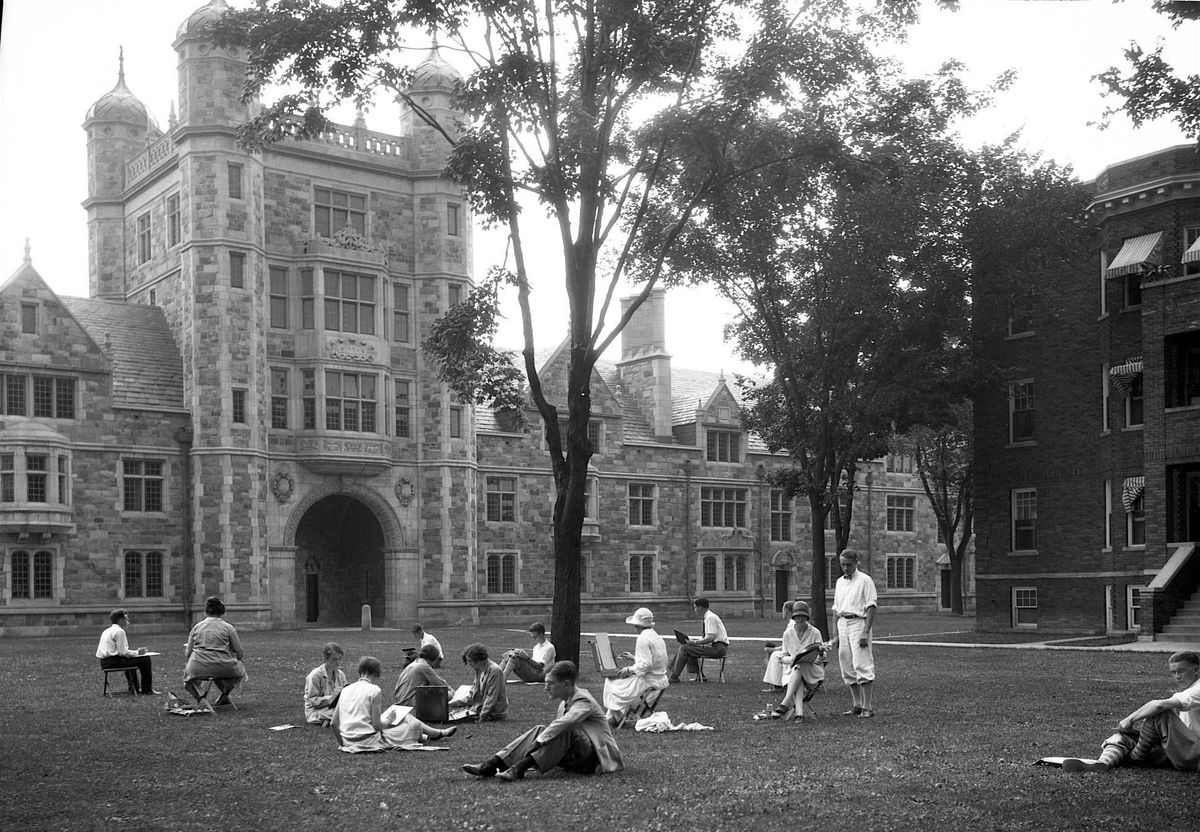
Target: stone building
[241, 406]
[1088, 458]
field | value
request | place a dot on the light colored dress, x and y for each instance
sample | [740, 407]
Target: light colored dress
[779, 666]
[649, 673]
[213, 650]
[355, 709]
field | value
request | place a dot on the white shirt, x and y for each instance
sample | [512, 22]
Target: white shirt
[544, 654]
[852, 596]
[113, 642]
[714, 627]
[428, 639]
[1188, 702]
[354, 710]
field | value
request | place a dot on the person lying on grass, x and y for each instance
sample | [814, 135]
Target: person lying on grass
[579, 739]
[359, 722]
[1163, 732]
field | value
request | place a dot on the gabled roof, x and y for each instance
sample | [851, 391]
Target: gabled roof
[147, 367]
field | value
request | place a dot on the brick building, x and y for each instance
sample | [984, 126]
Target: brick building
[241, 406]
[1088, 458]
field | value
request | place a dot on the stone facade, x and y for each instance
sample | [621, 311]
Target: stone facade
[1104, 472]
[245, 410]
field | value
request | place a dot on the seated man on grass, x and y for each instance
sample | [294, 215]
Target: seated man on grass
[487, 699]
[530, 666]
[1163, 732]
[579, 739]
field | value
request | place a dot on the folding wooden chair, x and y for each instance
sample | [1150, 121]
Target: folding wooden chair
[644, 707]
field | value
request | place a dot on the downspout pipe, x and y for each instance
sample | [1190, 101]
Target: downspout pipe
[185, 437]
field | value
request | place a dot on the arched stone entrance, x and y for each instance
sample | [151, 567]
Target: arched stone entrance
[339, 563]
[783, 564]
[340, 550]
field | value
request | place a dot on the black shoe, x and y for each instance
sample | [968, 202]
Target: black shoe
[152, 693]
[480, 769]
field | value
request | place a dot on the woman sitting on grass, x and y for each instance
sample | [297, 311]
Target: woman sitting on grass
[213, 651]
[361, 724]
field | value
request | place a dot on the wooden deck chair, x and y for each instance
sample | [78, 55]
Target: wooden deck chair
[602, 653]
[644, 707]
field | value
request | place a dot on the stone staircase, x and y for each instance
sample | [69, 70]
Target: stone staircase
[1185, 624]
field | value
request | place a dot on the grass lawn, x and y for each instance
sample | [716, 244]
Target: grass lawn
[951, 748]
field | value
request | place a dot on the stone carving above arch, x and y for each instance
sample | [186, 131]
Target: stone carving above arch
[785, 559]
[389, 523]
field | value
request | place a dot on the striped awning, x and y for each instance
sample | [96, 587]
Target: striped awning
[1192, 255]
[1136, 252]
[1123, 374]
[1132, 488]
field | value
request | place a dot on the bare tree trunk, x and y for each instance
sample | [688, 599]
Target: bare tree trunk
[816, 503]
[570, 480]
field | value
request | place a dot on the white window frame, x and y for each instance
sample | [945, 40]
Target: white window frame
[1103, 284]
[1132, 521]
[162, 478]
[1133, 605]
[1105, 395]
[1014, 496]
[1016, 590]
[1108, 514]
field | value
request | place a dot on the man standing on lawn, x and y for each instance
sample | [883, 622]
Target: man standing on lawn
[714, 644]
[1169, 733]
[114, 651]
[579, 739]
[854, 603]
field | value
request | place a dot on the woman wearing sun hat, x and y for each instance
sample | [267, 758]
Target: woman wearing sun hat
[648, 671]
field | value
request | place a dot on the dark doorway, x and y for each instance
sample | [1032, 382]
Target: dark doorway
[312, 595]
[782, 589]
[339, 553]
[944, 593]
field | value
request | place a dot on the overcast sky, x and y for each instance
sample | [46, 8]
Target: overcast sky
[59, 56]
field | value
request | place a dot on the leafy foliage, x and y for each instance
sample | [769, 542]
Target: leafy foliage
[1151, 88]
[618, 119]
[461, 344]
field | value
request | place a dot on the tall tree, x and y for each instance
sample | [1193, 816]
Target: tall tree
[944, 457]
[848, 274]
[1150, 86]
[584, 108]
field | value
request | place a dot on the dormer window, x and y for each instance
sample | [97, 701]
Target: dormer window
[724, 446]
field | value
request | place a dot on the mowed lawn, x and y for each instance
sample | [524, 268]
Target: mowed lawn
[951, 747]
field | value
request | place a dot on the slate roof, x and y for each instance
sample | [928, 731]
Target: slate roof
[147, 367]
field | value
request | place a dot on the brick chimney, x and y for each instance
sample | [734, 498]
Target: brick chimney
[645, 364]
